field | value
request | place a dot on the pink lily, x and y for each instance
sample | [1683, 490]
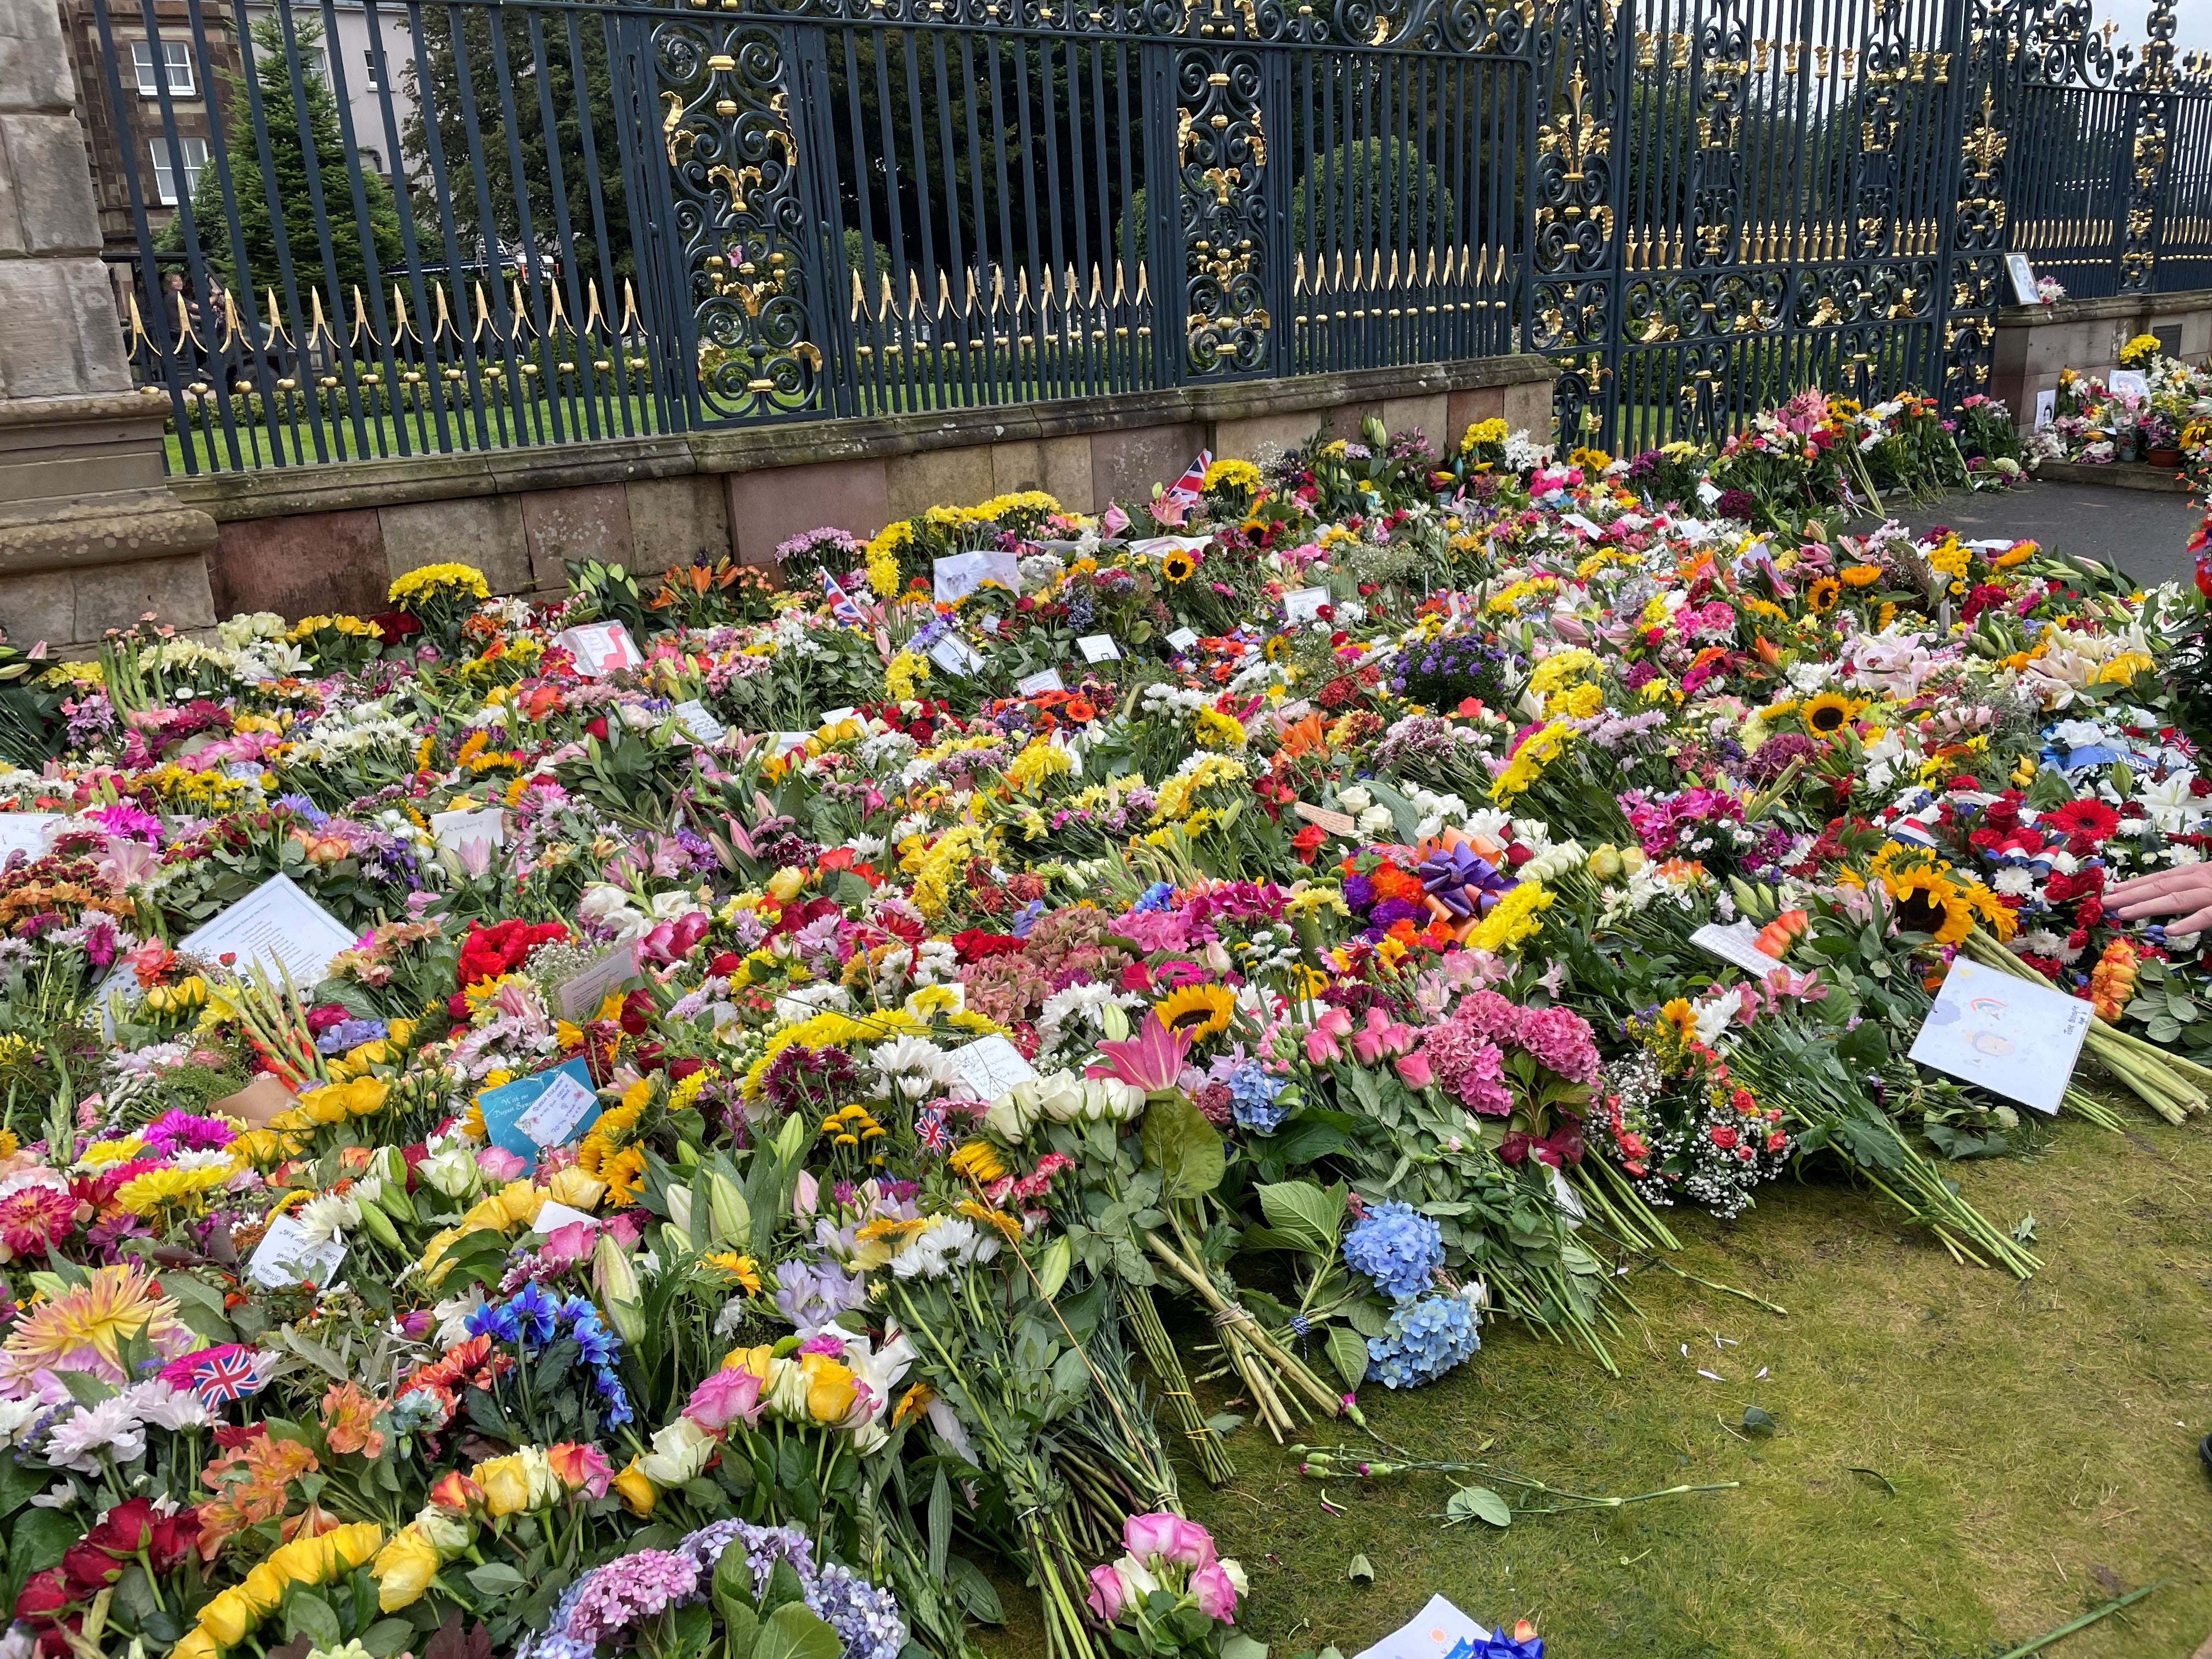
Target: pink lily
[1150, 1059]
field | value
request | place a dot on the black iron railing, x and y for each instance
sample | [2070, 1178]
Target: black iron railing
[392, 227]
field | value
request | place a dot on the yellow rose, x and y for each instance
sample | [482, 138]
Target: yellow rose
[228, 1618]
[323, 1105]
[577, 1187]
[306, 1559]
[404, 1570]
[786, 882]
[351, 1546]
[636, 1492]
[195, 1643]
[830, 1387]
[505, 1485]
[521, 1202]
[264, 1588]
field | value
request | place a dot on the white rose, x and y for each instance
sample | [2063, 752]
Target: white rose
[453, 1171]
[1354, 800]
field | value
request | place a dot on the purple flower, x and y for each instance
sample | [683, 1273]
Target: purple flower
[810, 1296]
[628, 1590]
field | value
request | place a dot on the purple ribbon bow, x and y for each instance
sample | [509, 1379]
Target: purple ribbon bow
[1463, 881]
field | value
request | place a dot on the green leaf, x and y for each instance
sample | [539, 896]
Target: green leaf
[970, 1588]
[387, 1637]
[740, 1626]
[733, 1589]
[1237, 1645]
[1347, 1352]
[793, 1632]
[494, 1578]
[1757, 1423]
[1362, 1571]
[1478, 1504]
[1305, 1213]
[1183, 1147]
[307, 1614]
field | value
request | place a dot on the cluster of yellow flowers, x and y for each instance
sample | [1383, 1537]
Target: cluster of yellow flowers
[310, 1559]
[433, 580]
[1542, 747]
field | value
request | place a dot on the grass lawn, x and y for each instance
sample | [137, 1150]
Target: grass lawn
[2039, 1438]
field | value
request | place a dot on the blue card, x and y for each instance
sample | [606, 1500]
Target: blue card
[546, 1108]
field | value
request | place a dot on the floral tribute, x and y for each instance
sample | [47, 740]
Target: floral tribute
[787, 1132]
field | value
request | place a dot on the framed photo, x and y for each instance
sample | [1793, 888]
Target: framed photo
[2023, 279]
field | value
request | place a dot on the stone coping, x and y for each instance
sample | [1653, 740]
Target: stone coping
[2105, 308]
[2113, 475]
[81, 409]
[272, 492]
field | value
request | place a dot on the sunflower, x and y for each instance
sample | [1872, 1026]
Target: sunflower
[1929, 901]
[1827, 714]
[1178, 565]
[1196, 1011]
[1861, 575]
[1823, 593]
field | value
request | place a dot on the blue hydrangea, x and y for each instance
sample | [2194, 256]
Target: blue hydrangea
[1397, 1246]
[1425, 1340]
[1252, 1095]
[866, 1617]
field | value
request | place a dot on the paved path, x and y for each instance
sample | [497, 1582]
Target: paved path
[2142, 532]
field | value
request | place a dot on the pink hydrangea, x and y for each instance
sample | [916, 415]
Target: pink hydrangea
[1468, 1066]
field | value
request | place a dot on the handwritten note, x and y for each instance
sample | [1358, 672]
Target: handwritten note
[990, 1066]
[26, 831]
[513, 1117]
[275, 927]
[551, 1119]
[284, 1256]
[956, 656]
[1098, 647]
[1304, 604]
[582, 993]
[1337, 823]
[481, 824]
[693, 721]
[1047, 680]
[1736, 943]
[1182, 639]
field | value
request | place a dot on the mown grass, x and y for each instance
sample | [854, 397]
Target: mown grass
[2031, 1447]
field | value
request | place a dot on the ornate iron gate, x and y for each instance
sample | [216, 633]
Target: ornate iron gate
[1741, 199]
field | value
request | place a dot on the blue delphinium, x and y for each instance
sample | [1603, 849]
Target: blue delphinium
[1397, 1246]
[1424, 1338]
[1252, 1096]
[1160, 896]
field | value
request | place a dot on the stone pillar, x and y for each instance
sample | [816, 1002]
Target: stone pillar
[90, 537]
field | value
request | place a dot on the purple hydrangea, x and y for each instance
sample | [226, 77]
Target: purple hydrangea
[629, 1589]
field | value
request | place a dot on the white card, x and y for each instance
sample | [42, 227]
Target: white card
[458, 830]
[2010, 1035]
[1047, 680]
[551, 1118]
[27, 830]
[693, 721]
[1431, 1633]
[1304, 604]
[2023, 280]
[1736, 943]
[1157, 545]
[955, 576]
[1182, 639]
[552, 1213]
[836, 716]
[2046, 407]
[1098, 647]
[990, 1066]
[956, 656]
[1581, 524]
[600, 649]
[278, 927]
[587, 990]
[283, 1253]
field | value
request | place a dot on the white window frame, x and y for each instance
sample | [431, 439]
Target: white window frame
[177, 58]
[371, 82]
[194, 153]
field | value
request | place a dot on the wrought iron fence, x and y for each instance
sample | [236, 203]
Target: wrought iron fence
[423, 225]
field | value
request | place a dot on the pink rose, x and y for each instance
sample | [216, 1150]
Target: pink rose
[1216, 1592]
[1321, 1044]
[1163, 1536]
[1107, 1594]
[1415, 1070]
[570, 1242]
[500, 1164]
[725, 1397]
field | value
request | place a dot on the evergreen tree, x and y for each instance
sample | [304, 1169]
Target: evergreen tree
[295, 116]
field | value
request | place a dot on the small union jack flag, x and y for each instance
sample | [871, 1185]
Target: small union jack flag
[225, 1375]
[841, 603]
[1187, 487]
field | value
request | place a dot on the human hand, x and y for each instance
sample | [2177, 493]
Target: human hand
[2184, 891]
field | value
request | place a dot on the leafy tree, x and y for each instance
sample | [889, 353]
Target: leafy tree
[295, 116]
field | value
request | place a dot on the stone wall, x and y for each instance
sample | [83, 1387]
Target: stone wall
[2034, 343]
[305, 540]
[90, 537]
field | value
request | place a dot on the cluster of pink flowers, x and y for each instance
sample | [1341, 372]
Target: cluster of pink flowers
[635, 1587]
[1466, 1054]
[1165, 1552]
